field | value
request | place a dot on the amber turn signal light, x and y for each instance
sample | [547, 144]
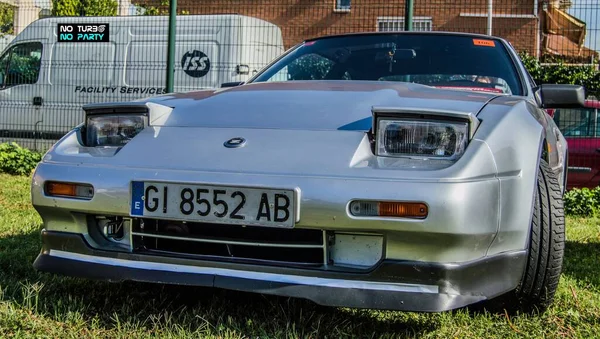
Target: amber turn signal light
[414, 210]
[65, 189]
[402, 209]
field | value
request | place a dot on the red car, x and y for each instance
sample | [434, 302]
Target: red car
[581, 129]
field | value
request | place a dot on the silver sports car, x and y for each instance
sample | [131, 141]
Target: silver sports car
[405, 171]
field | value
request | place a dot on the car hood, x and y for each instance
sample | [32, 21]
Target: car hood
[307, 105]
[295, 128]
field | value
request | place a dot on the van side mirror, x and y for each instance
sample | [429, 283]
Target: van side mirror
[231, 84]
[562, 96]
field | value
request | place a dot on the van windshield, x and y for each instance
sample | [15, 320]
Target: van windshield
[3, 66]
[440, 60]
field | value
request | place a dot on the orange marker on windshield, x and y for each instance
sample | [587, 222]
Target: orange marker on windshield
[483, 42]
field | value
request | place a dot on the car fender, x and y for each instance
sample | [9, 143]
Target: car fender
[517, 138]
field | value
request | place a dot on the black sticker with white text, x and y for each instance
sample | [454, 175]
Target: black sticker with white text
[83, 32]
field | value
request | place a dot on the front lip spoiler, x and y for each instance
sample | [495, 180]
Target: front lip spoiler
[461, 285]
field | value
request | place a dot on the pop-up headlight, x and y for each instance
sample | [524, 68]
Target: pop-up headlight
[422, 135]
[113, 125]
[113, 130]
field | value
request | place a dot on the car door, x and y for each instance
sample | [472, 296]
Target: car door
[581, 129]
[20, 96]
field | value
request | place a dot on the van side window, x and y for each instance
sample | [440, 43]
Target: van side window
[24, 61]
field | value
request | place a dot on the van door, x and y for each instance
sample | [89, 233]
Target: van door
[196, 66]
[78, 73]
[20, 94]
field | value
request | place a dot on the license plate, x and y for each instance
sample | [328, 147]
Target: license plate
[214, 204]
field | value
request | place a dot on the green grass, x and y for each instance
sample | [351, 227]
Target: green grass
[46, 306]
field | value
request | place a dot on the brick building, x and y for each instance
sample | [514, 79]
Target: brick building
[519, 21]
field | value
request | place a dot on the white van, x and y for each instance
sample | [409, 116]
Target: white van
[5, 39]
[45, 76]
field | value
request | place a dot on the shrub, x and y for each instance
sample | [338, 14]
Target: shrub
[582, 201]
[560, 73]
[17, 160]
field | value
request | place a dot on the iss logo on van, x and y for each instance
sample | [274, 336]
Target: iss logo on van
[83, 33]
[195, 64]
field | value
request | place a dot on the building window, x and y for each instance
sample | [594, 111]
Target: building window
[391, 24]
[342, 5]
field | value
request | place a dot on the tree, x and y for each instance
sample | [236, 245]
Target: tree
[558, 72]
[562, 4]
[7, 14]
[163, 9]
[565, 4]
[84, 7]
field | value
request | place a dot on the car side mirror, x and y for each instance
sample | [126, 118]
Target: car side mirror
[231, 84]
[562, 96]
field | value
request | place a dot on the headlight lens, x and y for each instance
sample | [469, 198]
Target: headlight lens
[424, 139]
[113, 130]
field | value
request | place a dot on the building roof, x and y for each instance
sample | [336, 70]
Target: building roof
[562, 45]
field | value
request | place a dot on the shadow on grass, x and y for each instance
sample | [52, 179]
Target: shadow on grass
[582, 262]
[157, 306]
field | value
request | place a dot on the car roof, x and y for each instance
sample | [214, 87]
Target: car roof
[592, 103]
[473, 35]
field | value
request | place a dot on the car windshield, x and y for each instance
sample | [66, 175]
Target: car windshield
[442, 60]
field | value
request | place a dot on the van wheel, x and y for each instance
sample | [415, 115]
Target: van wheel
[546, 249]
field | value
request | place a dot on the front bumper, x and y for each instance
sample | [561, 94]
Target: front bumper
[464, 214]
[391, 285]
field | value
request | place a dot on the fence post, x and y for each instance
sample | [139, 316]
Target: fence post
[171, 45]
[408, 15]
[490, 16]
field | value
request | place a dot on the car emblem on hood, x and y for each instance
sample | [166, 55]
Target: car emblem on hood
[235, 142]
